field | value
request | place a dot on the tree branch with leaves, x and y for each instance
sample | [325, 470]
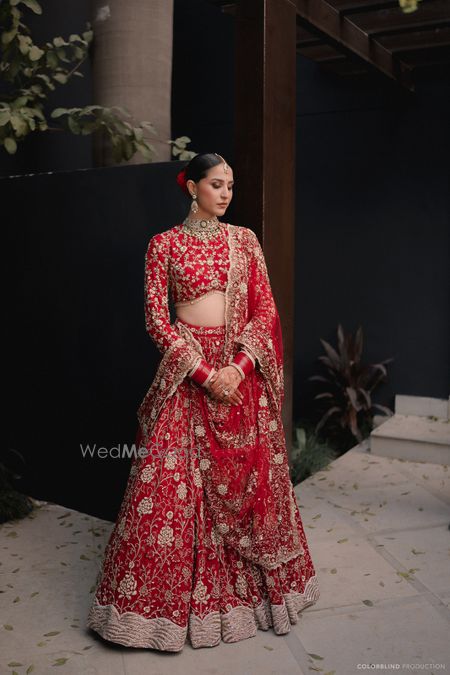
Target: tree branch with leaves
[32, 71]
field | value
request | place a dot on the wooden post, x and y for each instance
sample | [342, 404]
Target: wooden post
[264, 152]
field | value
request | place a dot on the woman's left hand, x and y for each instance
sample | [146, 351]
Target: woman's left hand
[229, 379]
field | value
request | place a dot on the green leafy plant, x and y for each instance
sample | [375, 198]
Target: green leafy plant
[408, 6]
[126, 139]
[179, 148]
[32, 71]
[309, 453]
[349, 386]
[13, 504]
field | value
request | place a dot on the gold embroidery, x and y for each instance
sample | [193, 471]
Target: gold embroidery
[238, 623]
[197, 268]
[227, 583]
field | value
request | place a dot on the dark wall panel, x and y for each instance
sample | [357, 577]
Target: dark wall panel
[372, 238]
[80, 360]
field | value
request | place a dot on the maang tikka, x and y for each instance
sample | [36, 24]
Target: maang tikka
[225, 165]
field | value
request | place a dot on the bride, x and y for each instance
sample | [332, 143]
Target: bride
[208, 544]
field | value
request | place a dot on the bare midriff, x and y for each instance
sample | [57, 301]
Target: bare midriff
[208, 310]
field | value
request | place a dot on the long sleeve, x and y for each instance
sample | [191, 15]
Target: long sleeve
[157, 316]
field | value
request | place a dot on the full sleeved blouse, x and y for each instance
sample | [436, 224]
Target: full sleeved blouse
[188, 269]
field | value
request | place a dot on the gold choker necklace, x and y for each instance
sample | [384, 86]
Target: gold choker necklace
[203, 229]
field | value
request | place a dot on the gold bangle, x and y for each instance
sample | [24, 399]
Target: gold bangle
[239, 369]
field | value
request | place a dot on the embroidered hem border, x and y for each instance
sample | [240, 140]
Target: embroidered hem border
[241, 622]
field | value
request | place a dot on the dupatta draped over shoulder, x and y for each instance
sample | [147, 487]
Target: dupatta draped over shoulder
[242, 454]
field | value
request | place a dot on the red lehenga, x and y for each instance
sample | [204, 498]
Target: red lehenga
[208, 544]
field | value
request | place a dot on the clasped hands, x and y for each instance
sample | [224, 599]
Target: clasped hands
[226, 379]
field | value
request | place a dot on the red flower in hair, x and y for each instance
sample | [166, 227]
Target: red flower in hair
[181, 180]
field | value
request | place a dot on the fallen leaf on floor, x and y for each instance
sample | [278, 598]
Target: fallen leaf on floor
[60, 662]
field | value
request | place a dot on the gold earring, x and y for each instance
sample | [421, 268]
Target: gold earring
[194, 205]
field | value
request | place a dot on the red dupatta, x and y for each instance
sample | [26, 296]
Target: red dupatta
[247, 465]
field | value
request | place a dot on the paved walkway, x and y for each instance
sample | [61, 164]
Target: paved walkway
[378, 533]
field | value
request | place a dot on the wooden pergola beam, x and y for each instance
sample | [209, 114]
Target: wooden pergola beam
[424, 39]
[349, 35]
[265, 114]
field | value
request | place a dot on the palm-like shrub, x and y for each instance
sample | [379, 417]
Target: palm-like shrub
[348, 385]
[309, 453]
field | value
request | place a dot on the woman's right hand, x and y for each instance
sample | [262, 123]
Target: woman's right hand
[233, 380]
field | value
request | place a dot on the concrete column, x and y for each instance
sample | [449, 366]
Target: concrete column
[132, 67]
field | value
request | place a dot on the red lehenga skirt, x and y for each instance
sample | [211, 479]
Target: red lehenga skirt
[165, 575]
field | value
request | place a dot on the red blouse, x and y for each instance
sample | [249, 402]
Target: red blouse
[190, 269]
[197, 268]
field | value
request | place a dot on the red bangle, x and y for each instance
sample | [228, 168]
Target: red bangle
[243, 361]
[201, 372]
